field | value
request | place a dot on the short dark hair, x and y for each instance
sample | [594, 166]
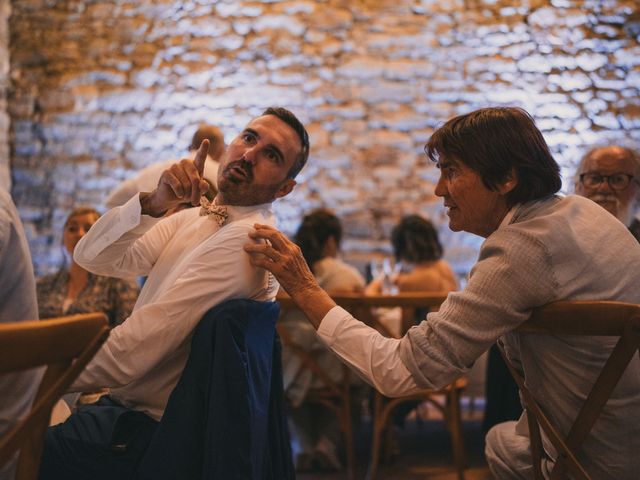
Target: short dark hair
[415, 240]
[215, 137]
[290, 119]
[314, 231]
[496, 141]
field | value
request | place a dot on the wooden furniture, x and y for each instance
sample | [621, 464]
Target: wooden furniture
[64, 345]
[334, 396]
[363, 308]
[593, 318]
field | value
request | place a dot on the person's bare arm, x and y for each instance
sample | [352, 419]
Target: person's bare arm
[284, 259]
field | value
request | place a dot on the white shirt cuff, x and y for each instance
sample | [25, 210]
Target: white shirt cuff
[374, 357]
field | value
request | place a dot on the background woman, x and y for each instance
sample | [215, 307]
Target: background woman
[74, 290]
[417, 248]
[315, 432]
[418, 253]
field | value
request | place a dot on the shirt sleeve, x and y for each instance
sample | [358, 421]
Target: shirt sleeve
[113, 246]
[124, 295]
[513, 275]
[374, 357]
[157, 329]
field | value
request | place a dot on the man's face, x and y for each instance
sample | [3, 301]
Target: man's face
[610, 161]
[471, 206]
[255, 166]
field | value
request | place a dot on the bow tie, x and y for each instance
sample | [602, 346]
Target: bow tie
[215, 212]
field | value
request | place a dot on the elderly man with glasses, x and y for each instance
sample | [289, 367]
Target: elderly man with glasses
[609, 176]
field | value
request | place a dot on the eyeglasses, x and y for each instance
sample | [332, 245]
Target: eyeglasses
[617, 181]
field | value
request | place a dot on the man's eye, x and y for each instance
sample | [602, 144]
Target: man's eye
[248, 137]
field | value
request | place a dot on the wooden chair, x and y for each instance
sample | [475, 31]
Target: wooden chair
[334, 396]
[361, 307]
[64, 345]
[592, 318]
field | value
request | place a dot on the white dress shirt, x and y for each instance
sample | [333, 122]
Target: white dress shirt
[192, 265]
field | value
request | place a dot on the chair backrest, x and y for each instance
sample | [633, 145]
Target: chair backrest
[360, 306]
[64, 345]
[589, 318]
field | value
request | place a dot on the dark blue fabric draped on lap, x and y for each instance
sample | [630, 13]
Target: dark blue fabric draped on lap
[225, 419]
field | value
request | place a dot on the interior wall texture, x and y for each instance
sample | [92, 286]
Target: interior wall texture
[5, 178]
[101, 88]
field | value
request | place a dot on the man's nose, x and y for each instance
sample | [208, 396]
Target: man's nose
[604, 186]
[441, 189]
[250, 155]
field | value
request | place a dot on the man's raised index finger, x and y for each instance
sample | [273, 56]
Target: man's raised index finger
[201, 156]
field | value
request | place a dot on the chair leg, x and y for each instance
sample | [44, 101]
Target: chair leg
[378, 427]
[455, 428]
[348, 439]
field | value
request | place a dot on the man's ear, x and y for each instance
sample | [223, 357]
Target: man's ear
[509, 184]
[286, 188]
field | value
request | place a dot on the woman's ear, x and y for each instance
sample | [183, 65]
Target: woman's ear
[509, 184]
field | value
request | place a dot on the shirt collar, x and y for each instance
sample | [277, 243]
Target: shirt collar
[236, 211]
[508, 217]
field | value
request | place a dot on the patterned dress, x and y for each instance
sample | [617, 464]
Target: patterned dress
[113, 296]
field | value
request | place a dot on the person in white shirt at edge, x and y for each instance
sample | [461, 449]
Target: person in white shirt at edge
[147, 178]
[499, 180]
[17, 304]
[609, 176]
[192, 263]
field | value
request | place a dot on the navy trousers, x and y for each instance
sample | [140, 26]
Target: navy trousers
[102, 441]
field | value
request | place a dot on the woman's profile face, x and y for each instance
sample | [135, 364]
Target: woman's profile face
[76, 228]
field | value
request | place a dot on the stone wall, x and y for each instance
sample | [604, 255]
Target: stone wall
[5, 179]
[102, 88]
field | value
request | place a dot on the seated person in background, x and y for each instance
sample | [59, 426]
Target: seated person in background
[74, 290]
[147, 178]
[417, 248]
[609, 176]
[499, 180]
[17, 304]
[194, 261]
[314, 429]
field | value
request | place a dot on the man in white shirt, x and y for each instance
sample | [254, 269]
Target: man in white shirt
[499, 180]
[194, 260]
[147, 178]
[17, 304]
[609, 176]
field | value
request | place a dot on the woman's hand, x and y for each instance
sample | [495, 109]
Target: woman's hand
[281, 257]
[284, 259]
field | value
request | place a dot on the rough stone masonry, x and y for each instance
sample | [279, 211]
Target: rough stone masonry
[97, 89]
